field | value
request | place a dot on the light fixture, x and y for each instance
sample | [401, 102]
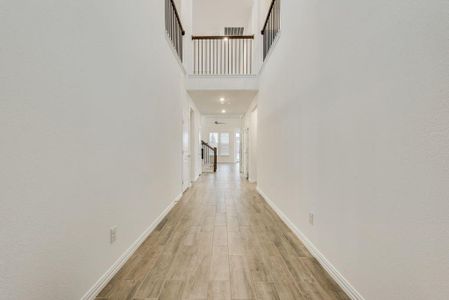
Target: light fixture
[222, 100]
[223, 111]
[225, 39]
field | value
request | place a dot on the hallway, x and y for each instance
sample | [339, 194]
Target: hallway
[222, 241]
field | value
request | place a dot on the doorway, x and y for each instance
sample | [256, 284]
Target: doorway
[238, 147]
[186, 150]
[193, 146]
[252, 161]
[245, 152]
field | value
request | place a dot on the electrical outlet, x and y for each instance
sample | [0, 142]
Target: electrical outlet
[113, 234]
[311, 216]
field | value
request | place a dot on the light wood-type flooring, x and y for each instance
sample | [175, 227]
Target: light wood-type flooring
[222, 241]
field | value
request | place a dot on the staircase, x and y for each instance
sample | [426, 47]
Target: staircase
[209, 157]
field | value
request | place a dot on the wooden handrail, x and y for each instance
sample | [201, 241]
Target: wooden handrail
[268, 17]
[271, 27]
[177, 17]
[207, 145]
[221, 37]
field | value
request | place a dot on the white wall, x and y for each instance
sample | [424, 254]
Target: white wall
[263, 8]
[232, 124]
[90, 127]
[245, 83]
[186, 14]
[210, 17]
[256, 20]
[353, 126]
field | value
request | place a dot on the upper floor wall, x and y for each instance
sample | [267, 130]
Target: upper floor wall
[210, 17]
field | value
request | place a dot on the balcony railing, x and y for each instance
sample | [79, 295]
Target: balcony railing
[173, 26]
[271, 27]
[222, 55]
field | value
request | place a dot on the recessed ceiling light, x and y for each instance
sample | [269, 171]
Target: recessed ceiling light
[222, 100]
[225, 39]
[223, 111]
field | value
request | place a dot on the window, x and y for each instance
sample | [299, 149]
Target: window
[213, 139]
[221, 141]
[224, 143]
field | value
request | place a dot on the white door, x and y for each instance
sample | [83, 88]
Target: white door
[186, 150]
[237, 146]
[245, 152]
[192, 146]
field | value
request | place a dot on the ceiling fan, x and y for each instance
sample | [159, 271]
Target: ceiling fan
[219, 123]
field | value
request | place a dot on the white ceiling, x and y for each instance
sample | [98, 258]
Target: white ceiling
[211, 16]
[236, 102]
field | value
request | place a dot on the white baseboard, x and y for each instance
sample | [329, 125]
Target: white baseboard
[170, 207]
[196, 177]
[118, 264]
[327, 265]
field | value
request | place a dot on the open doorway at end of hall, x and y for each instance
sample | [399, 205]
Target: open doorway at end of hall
[249, 146]
[190, 149]
[238, 146]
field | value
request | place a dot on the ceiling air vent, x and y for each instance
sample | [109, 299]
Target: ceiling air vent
[234, 31]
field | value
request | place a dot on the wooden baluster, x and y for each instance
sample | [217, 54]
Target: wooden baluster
[200, 60]
[271, 26]
[215, 56]
[232, 56]
[209, 69]
[173, 27]
[194, 57]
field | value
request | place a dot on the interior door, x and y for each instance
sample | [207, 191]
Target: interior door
[192, 146]
[186, 150]
[245, 152]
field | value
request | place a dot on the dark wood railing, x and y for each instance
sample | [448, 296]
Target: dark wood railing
[223, 55]
[173, 26]
[271, 27]
[209, 156]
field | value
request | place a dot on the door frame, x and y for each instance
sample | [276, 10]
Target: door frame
[192, 142]
[185, 149]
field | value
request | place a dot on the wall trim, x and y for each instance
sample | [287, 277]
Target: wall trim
[197, 176]
[327, 265]
[165, 212]
[118, 264]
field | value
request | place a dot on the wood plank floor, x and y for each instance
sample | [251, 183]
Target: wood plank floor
[222, 241]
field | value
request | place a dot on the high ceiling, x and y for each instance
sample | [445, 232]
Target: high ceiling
[211, 16]
[235, 102]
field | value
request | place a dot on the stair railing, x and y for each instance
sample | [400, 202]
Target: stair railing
[271, 26]
[174, 27]
[209, 157]
[223, 55]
